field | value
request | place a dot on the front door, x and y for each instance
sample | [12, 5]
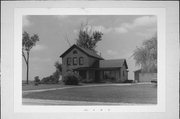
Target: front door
[97, 76]
[82, 73]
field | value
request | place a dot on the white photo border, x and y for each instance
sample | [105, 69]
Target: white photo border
[161, 33]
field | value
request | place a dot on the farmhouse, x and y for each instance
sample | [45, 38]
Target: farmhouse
[92, 67]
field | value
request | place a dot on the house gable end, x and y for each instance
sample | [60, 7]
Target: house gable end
[71, 49]
[67, 51]
[74, 46]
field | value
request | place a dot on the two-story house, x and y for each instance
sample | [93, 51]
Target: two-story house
[91, 66]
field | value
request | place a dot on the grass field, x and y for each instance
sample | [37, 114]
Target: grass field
[41, 86]
[138, 93]
[31, 86]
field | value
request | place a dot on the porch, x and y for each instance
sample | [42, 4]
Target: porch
[99, 74]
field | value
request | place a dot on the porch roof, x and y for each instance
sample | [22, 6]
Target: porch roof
[113, 63]
[94, 68]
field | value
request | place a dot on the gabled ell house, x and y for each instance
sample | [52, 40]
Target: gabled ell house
[92, 67]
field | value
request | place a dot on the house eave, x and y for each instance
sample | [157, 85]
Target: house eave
[62, 55]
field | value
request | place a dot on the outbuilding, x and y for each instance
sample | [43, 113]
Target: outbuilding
[140, 76]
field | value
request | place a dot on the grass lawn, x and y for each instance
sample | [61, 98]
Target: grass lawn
[31, 86]
[138, 93]
[41, 86]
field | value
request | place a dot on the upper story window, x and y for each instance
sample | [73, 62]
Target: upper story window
[74, 60]
[68, 61]
[81, 61]
[74, 52]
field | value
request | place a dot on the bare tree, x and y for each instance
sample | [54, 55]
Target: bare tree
[27, 44]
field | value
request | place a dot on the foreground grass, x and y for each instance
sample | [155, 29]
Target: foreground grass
[140, 93]
[41, 86]
[31, 86]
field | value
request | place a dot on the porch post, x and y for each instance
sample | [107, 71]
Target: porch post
[101, 74]
[87, 74]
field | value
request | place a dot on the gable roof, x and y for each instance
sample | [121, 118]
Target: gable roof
[113, 63]
[84, 50]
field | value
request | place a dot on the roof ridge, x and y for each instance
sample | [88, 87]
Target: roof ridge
[85, 50]
[113, 63]
[89, 50]
[117, 59]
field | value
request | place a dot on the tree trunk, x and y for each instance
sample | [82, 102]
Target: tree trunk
[27, 79]
[27, 63]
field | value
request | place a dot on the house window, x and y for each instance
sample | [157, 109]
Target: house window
[74, 52]
[74, 60]
[81, 61]
[123, 73]
[69, 61]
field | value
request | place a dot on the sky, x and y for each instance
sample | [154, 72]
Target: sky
[122, 34]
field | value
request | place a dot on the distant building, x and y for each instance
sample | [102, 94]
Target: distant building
[140, 76]
[136, 75]
[92, 67]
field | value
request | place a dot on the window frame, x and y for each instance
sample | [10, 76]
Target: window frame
[69, 61]
[74, 60]
[81, 60]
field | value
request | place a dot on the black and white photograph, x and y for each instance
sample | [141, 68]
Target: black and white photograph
[89, 60]
[89, 57]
